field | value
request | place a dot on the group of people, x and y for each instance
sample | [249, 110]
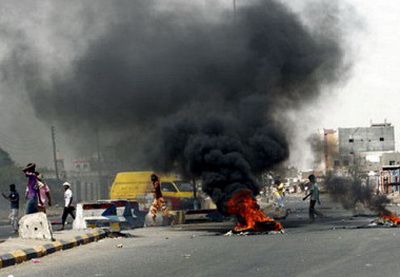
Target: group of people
[37, 195]
[312, 192]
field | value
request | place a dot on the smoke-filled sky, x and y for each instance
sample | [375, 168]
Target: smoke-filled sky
[69, 63]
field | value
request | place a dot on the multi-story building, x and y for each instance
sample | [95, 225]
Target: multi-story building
[377, 138]
[360, 149]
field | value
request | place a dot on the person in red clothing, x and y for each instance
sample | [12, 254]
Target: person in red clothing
[159, 201]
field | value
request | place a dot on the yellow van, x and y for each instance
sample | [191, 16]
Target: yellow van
[137, 186]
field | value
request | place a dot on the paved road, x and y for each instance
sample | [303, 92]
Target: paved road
[332, 247]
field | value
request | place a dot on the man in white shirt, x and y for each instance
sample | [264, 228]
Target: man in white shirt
[68, 208]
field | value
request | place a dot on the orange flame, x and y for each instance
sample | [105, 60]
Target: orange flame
[394, 218]
[251, 218]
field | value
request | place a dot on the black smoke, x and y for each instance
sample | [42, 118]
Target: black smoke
[353, 191]
[179, 91]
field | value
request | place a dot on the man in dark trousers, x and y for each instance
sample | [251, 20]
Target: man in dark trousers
[13, 197]
[68, 208]
[314, 193]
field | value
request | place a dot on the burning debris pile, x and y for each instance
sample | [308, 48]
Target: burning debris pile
[249, 215]
[390, 220]
[350, 192]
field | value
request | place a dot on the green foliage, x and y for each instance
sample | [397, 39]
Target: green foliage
[5, 159]
[12, 174]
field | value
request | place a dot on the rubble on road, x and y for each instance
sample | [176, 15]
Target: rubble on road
[251, 233]
[383, 222]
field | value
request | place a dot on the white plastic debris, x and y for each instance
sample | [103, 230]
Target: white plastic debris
[230, 233]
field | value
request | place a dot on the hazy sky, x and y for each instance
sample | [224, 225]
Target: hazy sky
[370, 92]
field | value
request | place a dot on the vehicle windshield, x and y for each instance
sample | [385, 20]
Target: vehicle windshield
[184, 186]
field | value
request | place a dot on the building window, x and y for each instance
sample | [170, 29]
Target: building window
[381, 138]
[351, 140]
[392, 162]
[336, 163]
[346, 162]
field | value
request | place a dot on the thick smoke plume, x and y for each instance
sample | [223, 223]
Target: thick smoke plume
[208, 96]
[350, 192]
[228, 144]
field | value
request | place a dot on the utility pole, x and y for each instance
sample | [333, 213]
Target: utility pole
[53, 137]
[100, 190]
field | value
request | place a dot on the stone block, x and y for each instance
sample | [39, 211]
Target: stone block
[35, 226]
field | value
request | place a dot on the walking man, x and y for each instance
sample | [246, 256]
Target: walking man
[314, 193]
[159, 201]
[13, 197]
[68, 208]
[32, 189]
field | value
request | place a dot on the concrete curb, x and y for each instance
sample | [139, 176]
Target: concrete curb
[19, 256]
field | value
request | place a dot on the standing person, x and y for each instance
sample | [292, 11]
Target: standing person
[68, 208]
[13, 197]
[314, 193]
[32, 190]
[44, 192]
[159, 201]
[277, 195]
[281, 188]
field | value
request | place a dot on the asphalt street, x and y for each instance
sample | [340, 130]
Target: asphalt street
[338, 245]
